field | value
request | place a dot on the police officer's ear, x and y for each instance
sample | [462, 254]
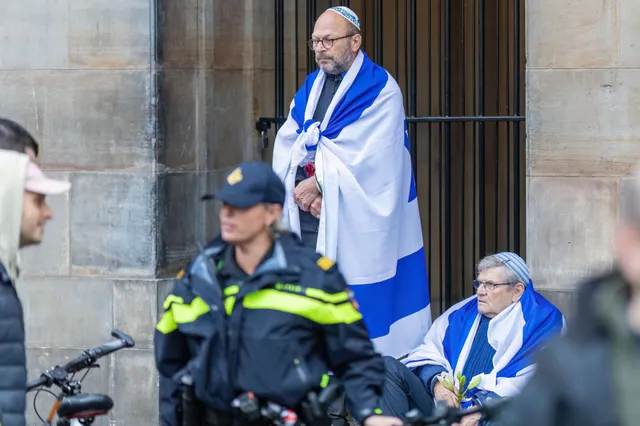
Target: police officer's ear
[274, 213]
[274, 209]
[274, 226]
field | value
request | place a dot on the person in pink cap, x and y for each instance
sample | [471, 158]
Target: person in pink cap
[23, 215]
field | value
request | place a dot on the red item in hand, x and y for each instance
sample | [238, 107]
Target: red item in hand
[310, 169]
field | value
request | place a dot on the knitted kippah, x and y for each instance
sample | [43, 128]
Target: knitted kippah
[347, 14]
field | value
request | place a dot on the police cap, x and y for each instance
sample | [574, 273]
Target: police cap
[250, 184]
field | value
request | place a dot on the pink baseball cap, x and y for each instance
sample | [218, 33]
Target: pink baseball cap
[37, 182]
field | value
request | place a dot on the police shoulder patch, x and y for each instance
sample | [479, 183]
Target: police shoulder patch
[324, 263]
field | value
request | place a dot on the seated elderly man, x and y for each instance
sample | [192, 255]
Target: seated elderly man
[492, 335]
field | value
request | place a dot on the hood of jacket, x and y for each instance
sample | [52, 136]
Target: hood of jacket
[13, 169]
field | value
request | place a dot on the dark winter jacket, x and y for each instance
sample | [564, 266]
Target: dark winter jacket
[574, 382]
[13, 365]
[13, 373]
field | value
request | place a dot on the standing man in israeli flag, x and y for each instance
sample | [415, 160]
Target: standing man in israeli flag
[343, 155]
[490, 338]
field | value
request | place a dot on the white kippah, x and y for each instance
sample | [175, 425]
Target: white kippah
[347, 14]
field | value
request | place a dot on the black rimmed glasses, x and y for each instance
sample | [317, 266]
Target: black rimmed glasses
[327, 43]
[489, 286]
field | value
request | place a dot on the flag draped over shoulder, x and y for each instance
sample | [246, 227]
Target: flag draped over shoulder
[516, 334]
[370, 222]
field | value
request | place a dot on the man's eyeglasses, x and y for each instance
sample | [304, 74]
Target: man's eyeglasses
[327, 43]
[487, 285]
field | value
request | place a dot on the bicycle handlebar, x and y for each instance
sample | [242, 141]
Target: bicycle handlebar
[92, 355]
[36, 383]
[58, 374]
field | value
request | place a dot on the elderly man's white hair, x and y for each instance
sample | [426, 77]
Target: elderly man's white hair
[514, 268]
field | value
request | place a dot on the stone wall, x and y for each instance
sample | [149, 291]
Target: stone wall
[583, 127]
[142, 105]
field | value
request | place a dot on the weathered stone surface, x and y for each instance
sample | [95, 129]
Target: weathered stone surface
[90, 120]
[230, 18]
[34, 34]
[113, 224]
[211, 209]
[163, 289]
[264, 94]
[186, 219]
[135, 388]
[135, 310]
[264, 46]
[67, 313]
[234, 129]
[583, 122]
[570, 223]
[179, 208]
[180, 32]
[109, 34]
[563, 300]
[628, 201]
[72, 34]
[629, 25]
[40, 359]
[179, 120]
[572, 34]
[51, 257]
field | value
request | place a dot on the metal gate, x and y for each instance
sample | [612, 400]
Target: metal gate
[460, 64]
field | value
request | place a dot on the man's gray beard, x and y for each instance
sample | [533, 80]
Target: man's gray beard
[341, 67]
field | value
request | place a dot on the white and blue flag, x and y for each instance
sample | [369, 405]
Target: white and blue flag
[516, 334]
[370, 222]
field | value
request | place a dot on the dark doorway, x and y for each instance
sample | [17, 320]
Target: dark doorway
[460, 64]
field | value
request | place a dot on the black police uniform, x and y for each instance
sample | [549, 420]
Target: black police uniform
[276, 332]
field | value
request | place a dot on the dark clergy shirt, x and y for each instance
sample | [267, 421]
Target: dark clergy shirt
[308, 223]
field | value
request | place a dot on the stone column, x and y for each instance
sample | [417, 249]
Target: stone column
[79, 75]
[143, 106]
[583, 127]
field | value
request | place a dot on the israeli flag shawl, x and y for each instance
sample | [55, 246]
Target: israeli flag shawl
[516, 333]
[370, 223]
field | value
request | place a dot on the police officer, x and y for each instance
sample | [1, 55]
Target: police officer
[257, 311]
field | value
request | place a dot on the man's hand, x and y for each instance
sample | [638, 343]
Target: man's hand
[382, 421]
[470, 420]
[316, 206]
[305, 193]
[445, 395]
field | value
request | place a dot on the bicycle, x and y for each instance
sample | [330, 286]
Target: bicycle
[71, 406]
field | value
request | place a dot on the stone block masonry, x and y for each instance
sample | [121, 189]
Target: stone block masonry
[143, 105]
[583, 134]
